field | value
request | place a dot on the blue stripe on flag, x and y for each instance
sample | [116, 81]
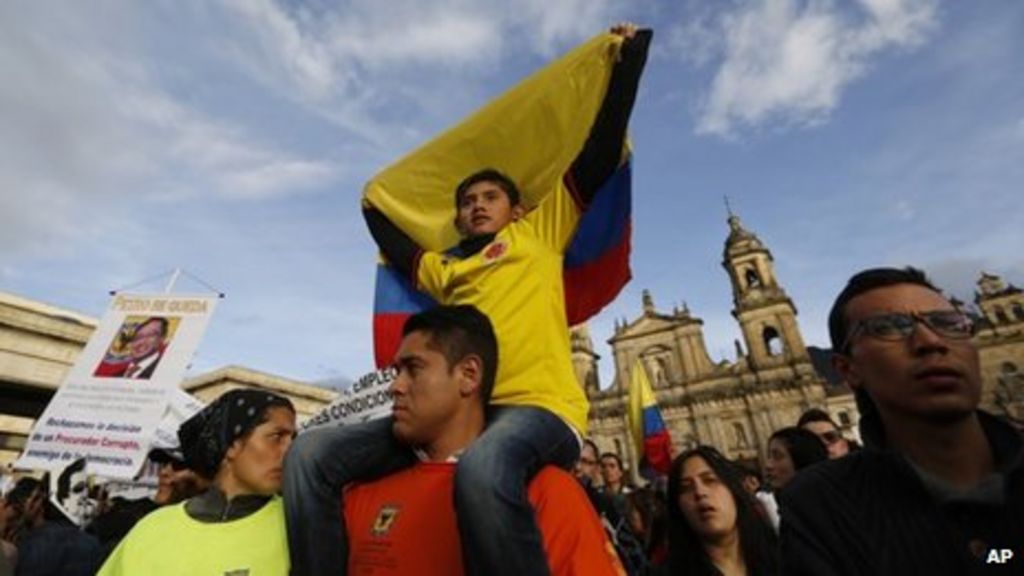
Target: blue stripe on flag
[653, 423]
[603, 225]
[395, 295]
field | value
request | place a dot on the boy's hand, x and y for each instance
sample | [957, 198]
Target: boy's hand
[625, 29]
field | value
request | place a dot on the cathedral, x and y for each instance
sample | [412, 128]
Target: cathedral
[735, 406]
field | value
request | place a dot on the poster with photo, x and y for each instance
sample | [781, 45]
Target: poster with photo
[109, 406]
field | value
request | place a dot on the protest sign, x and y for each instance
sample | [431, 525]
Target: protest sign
[113, 398]
[368, 398]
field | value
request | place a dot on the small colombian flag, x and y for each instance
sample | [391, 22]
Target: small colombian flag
[649, 434]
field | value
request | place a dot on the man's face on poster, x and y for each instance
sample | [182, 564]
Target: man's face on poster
[147, 340]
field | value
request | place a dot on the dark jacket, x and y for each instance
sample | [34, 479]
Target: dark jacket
[870, 514]
[57, 549]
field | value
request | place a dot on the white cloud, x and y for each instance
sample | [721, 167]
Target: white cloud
[89, 132]
[356, 63]
[268, 179]
[790, 60]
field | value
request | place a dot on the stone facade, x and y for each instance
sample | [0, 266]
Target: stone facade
[733, 405]
[1000, 341]
[308, 400]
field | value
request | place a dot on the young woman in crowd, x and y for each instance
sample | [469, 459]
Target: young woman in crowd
[647, 519]
[714, 527]
[789, 451]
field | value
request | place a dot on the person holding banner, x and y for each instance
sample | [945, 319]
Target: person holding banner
[446, 368]
[509, 265]
[237, 526]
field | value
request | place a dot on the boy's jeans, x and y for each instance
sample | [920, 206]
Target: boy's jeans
[496, 522]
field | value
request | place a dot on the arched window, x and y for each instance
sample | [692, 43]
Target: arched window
[772, 341]
[741, 435]
[1001, 317]
[844, 418]
[753, 280]
[661, 373]
[1018, 310]
[1008, 368]
[618, 447]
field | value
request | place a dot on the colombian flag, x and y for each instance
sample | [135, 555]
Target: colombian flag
[650, 436]
[532, 133]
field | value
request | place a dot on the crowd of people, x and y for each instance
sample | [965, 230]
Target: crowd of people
[937, 488]
[470, 472]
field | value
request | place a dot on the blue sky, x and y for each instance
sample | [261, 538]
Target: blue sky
[232, 138]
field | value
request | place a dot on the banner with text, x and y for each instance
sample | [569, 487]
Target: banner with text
[116, 394]
[368, 398]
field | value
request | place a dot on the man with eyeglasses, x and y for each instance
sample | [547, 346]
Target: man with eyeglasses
[587, 469]
[939, 487]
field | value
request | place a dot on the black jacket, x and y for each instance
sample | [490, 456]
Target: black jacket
[870, 514]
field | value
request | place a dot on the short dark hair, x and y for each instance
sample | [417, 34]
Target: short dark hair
[686, 552]
[615, 457]
[815, 415]
[865, 281]
[593, 446]
[488, 175]
[804, 447]
[457, 332]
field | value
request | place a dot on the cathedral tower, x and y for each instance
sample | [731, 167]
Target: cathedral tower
[584, 359]
[766, 314]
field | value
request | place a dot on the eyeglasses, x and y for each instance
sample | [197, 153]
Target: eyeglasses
[830, 437]
[951, 324]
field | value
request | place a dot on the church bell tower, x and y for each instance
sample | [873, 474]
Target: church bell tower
[765, 313]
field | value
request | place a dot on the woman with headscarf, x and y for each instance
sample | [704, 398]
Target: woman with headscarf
[236, 526]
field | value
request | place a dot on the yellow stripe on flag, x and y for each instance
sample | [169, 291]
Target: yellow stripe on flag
[532, 133]
[640, 396]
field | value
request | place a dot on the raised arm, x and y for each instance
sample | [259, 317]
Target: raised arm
[602, 151]
[401, 251]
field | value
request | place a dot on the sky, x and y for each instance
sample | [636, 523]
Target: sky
[232, 139]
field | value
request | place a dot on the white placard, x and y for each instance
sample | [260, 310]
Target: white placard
[368, 398]
[114, 397]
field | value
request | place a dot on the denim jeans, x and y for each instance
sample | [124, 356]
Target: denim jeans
[319, 463]
[496, 522]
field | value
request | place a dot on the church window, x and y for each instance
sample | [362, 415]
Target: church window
[1018, 310]
[1001, 317]
[844, 418]
[1008, 368]
[772, 341]
[741, 435]
[661, 372]
[618, 447]
[753, 280]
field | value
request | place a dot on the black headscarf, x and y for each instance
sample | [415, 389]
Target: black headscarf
[206, 437]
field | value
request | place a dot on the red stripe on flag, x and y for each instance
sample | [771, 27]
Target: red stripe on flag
[387, 336]
[591, 287]
[658, 452]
